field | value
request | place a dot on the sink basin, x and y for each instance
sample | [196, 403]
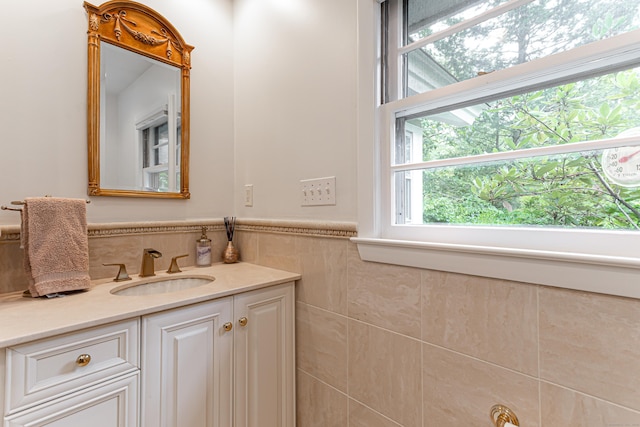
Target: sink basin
[162, 285]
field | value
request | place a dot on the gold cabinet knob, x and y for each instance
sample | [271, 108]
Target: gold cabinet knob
[83, 360]
[243, 321]
[227, 326]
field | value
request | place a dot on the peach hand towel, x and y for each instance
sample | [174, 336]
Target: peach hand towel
[56, 246]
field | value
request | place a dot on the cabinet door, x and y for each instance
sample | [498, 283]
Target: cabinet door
[186, 366]
[113, 404]
[264, 357]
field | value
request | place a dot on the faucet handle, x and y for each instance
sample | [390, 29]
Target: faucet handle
[122, 273]
[173, 268]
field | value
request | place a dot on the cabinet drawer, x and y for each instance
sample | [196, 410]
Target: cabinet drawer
[43, 370]
[113, 404]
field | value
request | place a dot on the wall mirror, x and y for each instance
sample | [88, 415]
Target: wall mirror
[137, 103]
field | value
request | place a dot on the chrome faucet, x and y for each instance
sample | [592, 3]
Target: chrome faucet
[148, 255]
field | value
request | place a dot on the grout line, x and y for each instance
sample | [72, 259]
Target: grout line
[348, 381]
[538, 347]
[422, 361]
[322, 381]
[348, 397]
[376, 412]
[590, 396]
[420, 341]
[482, 360]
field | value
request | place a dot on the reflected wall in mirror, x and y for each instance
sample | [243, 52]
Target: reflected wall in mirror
[138, 103]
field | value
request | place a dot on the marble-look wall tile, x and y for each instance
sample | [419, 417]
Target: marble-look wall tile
[175, 244]
[460, 390]
[128, 250]
[279, 251]
[591, 343]
[324, 273]
[247, 244]
[218, 245]
[361, 416]
[384, 295]
[564, 407]
[492, 319]
[384, 372]
[318, 405]
[321, 345]
[116, 249]
[125, 250]
[12, 275]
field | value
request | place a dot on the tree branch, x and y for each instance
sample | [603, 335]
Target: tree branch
[612, 193]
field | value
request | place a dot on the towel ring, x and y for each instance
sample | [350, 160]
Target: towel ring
[501, 415]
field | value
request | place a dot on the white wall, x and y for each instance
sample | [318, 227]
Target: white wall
[295, 107]
[43, 147]
[295, 104]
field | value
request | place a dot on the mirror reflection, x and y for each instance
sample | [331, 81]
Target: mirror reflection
[140, 122]
[138, 103]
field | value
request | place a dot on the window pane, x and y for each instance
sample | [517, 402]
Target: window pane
[425, 17]
[597, 108]
[146, 148]
[592, 189]
[570, 190]
[156, 181]
[163, 154]
[163, 144]
[535, 30]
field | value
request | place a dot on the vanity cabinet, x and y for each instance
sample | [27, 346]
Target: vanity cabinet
[219, 363]
[74, 380]
[226, 362]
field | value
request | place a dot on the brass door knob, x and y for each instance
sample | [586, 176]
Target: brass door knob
[227, 326]
[243, 321]
[83, 360]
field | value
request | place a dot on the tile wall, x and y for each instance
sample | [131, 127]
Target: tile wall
[117, 243]
[387, 346]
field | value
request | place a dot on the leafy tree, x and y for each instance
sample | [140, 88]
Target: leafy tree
[567, 190]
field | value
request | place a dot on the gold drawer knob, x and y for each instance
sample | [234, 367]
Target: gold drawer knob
[227, 326]
[243, 321]
[83, 360]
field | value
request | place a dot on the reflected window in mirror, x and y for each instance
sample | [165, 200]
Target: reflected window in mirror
[160, 158]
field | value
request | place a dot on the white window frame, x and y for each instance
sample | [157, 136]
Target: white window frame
[152, 121]
[611, 262]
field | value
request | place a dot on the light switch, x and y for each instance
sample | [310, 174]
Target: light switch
[318, 192]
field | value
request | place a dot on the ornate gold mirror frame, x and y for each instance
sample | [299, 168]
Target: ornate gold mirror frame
[141, 30]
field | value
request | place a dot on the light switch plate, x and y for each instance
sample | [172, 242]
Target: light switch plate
[318, 192]
[248, 195]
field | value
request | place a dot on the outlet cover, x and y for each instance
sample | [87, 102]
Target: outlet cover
[318, 192]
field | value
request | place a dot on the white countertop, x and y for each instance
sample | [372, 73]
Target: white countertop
[24, 319]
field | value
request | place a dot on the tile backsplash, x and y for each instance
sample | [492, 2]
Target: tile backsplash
[386, 346]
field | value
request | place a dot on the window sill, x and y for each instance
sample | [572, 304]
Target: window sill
[592, 273]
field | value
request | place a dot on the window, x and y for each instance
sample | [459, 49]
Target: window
[160, 151]
[520, 120]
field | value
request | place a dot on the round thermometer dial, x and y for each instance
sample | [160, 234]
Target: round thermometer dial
[622, 165]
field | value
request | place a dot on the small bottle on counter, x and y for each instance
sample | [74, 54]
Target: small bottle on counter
[203, 250]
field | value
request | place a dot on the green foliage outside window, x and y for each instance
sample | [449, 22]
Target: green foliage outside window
[564, 190]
